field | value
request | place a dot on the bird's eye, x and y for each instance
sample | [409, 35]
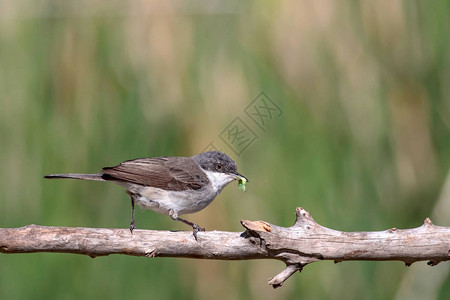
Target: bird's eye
[219, 167]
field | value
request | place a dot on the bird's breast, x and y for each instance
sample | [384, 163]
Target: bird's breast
[183, 202]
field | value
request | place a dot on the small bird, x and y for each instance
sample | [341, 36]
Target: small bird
[170, 185]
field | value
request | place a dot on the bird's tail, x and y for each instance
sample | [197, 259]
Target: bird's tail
[96, 177]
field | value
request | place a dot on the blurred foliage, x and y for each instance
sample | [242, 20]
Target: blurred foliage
[363, 142]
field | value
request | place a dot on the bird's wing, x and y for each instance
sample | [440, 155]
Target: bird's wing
[169, 173]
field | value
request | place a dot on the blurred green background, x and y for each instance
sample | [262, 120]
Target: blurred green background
[363, 142]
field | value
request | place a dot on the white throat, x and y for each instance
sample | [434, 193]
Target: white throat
[218, 180]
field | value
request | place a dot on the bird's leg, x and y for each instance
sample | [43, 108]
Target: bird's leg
[132, 224]
[195, 227]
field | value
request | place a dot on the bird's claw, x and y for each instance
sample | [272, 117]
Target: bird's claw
[132, 226]
[195, 229]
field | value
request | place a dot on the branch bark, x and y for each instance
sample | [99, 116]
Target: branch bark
[303, 243]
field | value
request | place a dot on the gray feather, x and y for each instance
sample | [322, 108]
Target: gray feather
[96, 177]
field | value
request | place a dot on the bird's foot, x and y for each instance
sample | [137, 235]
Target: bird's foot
[132, 226]
[195, 229]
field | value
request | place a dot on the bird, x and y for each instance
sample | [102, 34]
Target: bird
[170, 185]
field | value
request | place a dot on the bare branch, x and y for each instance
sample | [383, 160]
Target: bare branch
[303, 243]
[279, 279]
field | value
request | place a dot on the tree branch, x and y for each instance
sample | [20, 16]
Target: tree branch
[303, 243]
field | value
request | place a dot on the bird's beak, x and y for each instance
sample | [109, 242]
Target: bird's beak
[240, 177]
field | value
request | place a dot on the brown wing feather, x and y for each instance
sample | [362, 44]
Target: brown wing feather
[174, 173]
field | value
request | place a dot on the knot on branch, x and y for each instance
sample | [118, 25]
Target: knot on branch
[427, 222]
[257, 225]
[304, 219]
[273, 239]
